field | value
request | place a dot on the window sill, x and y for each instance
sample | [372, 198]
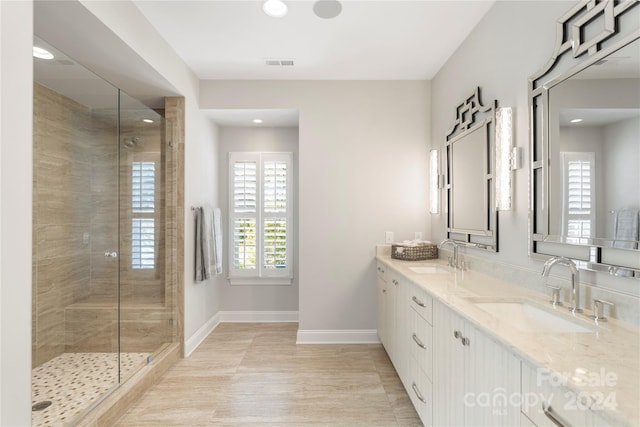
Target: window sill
[259, 281]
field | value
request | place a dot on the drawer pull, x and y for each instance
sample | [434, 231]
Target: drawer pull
[417, 301]
[555, 418]
[417, 392]
[417, 341]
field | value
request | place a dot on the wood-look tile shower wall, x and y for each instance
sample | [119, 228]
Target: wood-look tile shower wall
[75, 220]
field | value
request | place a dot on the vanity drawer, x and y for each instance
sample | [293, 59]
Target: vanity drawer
[421, 342]
[544, 399]
[421, 302]
[421, 394]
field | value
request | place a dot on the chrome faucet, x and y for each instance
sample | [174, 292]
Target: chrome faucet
[455, 250]
[574, 303]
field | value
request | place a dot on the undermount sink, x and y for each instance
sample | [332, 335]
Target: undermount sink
[431, 269]
[528, 317]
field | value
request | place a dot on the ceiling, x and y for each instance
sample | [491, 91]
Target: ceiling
[368, 40]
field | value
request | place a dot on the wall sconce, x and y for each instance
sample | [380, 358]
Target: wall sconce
[434, 182]
[507, 159]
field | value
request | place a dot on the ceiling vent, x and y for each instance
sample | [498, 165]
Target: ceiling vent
[279, 62]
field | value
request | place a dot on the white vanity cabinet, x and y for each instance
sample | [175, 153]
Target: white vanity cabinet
[476, 381]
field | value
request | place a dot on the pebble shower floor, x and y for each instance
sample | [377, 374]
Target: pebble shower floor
[73, 381]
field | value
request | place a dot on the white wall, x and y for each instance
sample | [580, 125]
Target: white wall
[16, 88]
[512, 42]
[253, 139]
[621, 165]
[362, 171]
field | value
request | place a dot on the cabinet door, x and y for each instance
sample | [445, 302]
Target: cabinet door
[475, 378]
[492, 381]
[381, 320]
[394, 323]
[448, 371]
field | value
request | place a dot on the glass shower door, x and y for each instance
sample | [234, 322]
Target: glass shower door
[75, 338]
[145, 303]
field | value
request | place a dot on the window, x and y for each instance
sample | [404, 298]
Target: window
[578, 216]
[260, 218]
[143, 199]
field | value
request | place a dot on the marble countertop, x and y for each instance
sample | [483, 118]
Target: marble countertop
[605, 362]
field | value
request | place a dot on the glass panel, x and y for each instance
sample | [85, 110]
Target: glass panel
[275, 187]
[75, 231]
[146, 301]
[245, 244]
[244, 186]
[275, 243]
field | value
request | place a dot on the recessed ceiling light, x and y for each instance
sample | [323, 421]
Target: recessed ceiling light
[257, 121]
[147, 120]
[275, 8]
[575, 121]
[41, 53]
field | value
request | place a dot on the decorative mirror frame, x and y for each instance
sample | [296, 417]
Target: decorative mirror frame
[574, 51]
[472, 115]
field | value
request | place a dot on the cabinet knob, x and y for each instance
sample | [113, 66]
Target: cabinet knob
[465, 341]
[457, 334]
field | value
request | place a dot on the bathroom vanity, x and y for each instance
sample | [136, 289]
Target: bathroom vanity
[471, 349]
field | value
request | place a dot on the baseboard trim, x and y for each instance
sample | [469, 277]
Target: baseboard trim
[258, 316]
[341, 336]
[196, 339]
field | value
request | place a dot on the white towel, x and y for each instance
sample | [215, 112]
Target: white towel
[208, 243]
[625, 232]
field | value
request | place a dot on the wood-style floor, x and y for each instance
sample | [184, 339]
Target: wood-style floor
[254, 374]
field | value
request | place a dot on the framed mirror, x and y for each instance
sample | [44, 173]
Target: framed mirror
[471, 215]
[585, 140]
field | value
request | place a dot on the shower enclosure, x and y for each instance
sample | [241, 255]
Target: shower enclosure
[104, 287]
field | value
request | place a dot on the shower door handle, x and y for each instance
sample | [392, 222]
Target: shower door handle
[111, 254]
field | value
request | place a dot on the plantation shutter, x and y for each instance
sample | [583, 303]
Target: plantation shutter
[143, 176]
[578, 195]
[245, 196]
[260, 217]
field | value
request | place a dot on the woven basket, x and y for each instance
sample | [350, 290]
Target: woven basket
[414, 253]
